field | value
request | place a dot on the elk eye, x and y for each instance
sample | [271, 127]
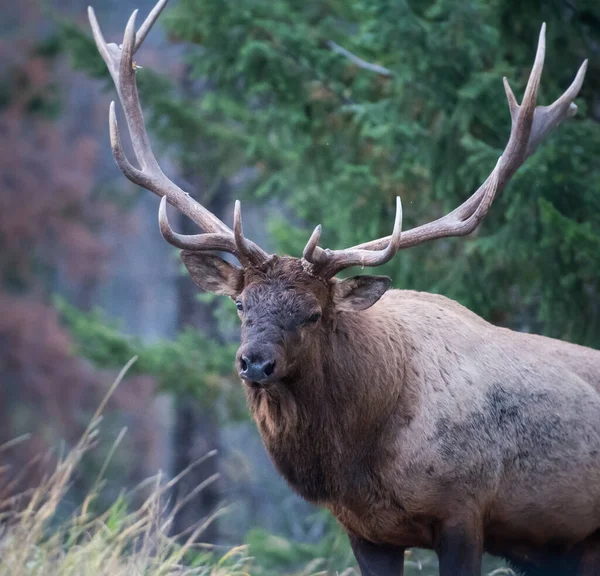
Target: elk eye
[239, 305]
[313, 318]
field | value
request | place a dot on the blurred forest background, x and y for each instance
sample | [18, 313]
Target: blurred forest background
[309, 111]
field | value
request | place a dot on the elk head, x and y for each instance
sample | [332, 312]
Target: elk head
[288, 305]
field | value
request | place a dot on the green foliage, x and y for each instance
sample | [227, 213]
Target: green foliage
[338, 142]
[191, 364]
[276, 555]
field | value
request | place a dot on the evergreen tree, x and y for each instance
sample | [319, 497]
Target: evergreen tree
[337, 140]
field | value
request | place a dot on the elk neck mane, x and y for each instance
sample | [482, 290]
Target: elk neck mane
[339, 399]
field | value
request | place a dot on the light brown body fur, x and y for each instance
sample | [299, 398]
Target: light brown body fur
[439, 415]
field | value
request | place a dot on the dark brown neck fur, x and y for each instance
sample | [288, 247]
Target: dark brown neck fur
[323, 423]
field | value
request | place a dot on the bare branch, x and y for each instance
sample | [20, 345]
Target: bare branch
[381, 70]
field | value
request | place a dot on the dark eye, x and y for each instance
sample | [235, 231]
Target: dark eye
[239, 305]
[313, 318]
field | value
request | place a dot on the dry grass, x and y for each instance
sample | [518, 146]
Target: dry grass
[117, 542]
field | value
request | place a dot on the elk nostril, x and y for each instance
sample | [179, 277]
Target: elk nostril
[244, 364]
[269, 368]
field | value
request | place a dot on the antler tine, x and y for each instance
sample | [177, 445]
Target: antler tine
[130, 100]
[513, 105]
[195, 242]
[549, 117]
[535, 76]
[148, 23]
[327, 263]
[121, 66]
[312, 251]
[128, 169]
[248, 253]
[99, 39]
[530, 125]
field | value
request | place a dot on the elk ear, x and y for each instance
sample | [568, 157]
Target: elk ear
[213, 274]
[359, 292]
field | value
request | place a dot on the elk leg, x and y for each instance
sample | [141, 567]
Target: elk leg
[460, 550]
[589, 563]
[377, 559]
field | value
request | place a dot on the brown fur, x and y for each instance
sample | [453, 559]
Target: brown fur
[416, 414]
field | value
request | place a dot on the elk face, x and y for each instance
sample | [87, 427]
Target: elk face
[286, 313]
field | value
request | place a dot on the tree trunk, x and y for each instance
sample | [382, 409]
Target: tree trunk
[196, 428]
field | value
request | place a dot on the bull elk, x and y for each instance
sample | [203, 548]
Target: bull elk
[416, 422]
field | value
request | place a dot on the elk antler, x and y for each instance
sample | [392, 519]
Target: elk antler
[330, 262]
[217, 236]
[530, 125]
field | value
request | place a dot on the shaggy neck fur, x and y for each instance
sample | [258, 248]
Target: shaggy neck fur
[323, 423]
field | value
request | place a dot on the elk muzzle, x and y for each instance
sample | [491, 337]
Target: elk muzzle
[257, 366]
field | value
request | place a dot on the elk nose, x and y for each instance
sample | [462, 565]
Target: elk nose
[256, 369]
